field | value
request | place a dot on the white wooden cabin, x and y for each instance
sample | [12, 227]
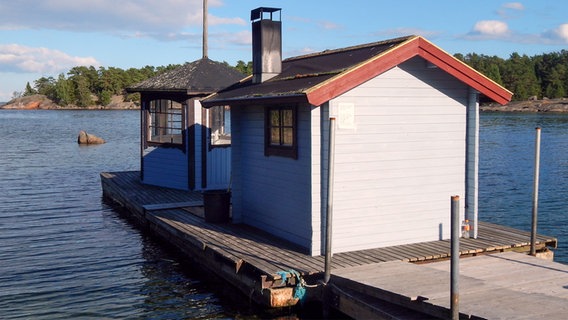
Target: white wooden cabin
[183, 145]
[406, 141]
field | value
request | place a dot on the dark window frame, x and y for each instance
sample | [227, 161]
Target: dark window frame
[167, 116]
[278, 147]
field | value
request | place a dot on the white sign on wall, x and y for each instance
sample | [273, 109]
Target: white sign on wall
[345, 115]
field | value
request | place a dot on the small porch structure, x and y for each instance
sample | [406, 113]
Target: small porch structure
[184, 146]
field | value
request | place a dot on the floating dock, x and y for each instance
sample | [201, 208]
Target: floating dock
[274, 273]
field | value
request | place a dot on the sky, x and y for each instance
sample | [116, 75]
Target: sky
[48, 37]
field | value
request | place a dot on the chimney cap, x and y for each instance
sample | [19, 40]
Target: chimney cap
[257, 13]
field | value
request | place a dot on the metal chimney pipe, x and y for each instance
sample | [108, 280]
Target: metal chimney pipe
[266, 44]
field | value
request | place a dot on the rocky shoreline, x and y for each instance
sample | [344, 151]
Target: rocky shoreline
[37, 101]
[531, 106]
[41, 102]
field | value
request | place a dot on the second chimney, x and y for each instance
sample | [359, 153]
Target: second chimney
[266, 44]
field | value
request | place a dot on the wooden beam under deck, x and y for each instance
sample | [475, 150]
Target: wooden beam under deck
[253, 260]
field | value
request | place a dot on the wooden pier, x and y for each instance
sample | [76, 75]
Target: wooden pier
[272, 272]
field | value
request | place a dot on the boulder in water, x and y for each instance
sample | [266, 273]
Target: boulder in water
[85, 138]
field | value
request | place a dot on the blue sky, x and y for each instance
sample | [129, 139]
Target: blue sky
[48, 37]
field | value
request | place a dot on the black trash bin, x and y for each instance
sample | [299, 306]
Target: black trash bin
[217, 205]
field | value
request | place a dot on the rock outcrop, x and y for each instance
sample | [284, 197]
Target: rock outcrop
[39, 101]
[85, 138]
[544, 105]
[36, 101]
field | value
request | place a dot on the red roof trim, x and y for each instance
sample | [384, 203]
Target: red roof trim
[463, 72]
[350, 79]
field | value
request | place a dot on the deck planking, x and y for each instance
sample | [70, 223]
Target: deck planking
[504, 285]
[255, 257]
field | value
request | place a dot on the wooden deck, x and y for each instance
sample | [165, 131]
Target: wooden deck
[255, 261]
[504, 285]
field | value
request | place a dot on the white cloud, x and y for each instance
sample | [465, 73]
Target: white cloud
[511, 10]
[491, 28]
[562, 32]
[124, 17]
[238, 38]
[514, 6]
[328, 25]
[213, 21]
[19, 58]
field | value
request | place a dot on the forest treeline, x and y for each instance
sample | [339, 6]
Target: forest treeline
[539, 76]
[86, 86]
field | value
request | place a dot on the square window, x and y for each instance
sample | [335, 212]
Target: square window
[165, 123]
[280, 132]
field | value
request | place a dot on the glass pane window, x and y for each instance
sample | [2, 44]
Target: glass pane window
[165, 122]
[281, 132]
[220, 125]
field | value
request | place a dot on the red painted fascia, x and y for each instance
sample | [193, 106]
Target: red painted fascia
[385, 61]
[463, 72]
[350, 79]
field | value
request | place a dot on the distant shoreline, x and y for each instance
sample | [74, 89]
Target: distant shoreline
[40, 102]
[529, 106]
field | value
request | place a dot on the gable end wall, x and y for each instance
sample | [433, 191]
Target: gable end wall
[398, 166]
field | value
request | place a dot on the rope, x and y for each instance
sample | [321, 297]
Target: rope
[301, 285]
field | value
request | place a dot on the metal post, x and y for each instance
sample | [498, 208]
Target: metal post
[455, 258]
[329, 207]
[535, 191]
[205, 45]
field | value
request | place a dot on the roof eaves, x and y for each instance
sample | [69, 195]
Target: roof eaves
[362, 72]
[462, 71]
[210, 101]
[134, 90]
[388, 59]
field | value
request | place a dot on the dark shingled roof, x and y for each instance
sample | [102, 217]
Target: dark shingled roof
[304, 72]
[203, 76]
[320, 77]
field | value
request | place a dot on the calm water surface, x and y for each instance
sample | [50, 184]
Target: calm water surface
[64, 253]
[506, 173]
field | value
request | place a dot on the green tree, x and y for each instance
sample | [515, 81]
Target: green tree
[105, 97]
[519, 76]
[552, 72]
[64, 91]
[244, 68]
[29, 90]
[45, 86]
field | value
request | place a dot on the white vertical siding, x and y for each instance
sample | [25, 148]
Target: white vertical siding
[317, 208]
[236, 156]
[217, 163]
[272, 193]
[472, 169]
[218, 168]
[165, 167]
[397, 168]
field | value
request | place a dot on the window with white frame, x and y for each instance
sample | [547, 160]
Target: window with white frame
[220, 125]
